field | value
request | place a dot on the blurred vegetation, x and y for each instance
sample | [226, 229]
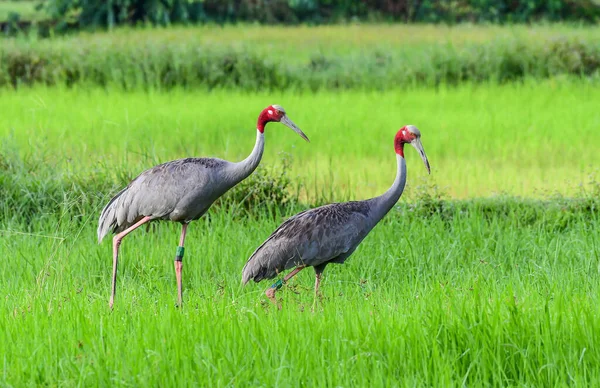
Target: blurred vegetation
[49, 16]
[20, 10]
[33, 189]
[164, 65]
[97, 13]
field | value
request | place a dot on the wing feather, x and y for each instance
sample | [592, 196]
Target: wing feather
[310, 238]
[180, 190]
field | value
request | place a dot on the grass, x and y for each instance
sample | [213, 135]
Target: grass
[493, 291]
[301, 43]
[503, 292]
[529, 139]
[424, 301]
[25, 9]
[331, 58]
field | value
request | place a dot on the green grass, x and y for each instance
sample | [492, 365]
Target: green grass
[330, 58]
[25, 9]
[301, 43]
[496, 292]
[522, 139]
[424, 301]
[499, 291]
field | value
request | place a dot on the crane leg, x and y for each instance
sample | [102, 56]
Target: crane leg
[179, 263]
[318, 272]
[116, 244]
[270, 292]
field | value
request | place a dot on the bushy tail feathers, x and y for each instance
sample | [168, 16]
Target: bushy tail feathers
[246, 274]
[255, 270]
[108, 216]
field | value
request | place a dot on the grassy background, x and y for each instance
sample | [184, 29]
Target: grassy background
[300, 43]
[25, 9]
[301, 58]
[521, 139]
[463, 290]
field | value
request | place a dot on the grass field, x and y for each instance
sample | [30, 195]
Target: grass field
[474, 298]
[300, 43]
[529, 140]
[424, 301]
[25, 9]
[250, 58]
[475, 289]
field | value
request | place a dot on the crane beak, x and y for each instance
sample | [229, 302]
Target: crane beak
[417, 144]
[290, 124]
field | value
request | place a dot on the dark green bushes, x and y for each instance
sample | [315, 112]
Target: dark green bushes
[164, 66]
[96, 13]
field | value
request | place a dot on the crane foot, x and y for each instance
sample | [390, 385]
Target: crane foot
[270, 293]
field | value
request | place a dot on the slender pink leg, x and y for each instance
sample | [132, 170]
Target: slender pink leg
[179, 263]
[116, 244]
[278, 284]
[317, 282]
[318, 272]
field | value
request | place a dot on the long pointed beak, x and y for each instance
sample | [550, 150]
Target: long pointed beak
[290, 124]
[417, 144]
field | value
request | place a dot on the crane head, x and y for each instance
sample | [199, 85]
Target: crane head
[276, 113]
[411, 135]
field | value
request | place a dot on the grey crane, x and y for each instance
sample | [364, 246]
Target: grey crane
[181, 191]
[330, 233]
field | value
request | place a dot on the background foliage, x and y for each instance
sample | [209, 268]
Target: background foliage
[139, 59]
[96, 13]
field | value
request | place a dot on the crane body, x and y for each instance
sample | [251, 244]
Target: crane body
[180, 191]
[330, 233]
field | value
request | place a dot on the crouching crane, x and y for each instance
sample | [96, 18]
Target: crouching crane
[330, 233]
[181, 191]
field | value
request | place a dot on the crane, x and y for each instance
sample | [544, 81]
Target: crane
[181, 191]
[330, 233]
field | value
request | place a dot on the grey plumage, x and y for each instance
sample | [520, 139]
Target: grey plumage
[181, 190]
[330, 233]
[327, 234]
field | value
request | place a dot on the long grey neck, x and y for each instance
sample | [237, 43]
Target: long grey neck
[244, 168]
[381, 205]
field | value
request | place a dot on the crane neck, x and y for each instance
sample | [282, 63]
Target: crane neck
[384, 203]
[244, 168]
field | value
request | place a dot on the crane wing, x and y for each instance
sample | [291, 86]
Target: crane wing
[177, 190]
[310, 238]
